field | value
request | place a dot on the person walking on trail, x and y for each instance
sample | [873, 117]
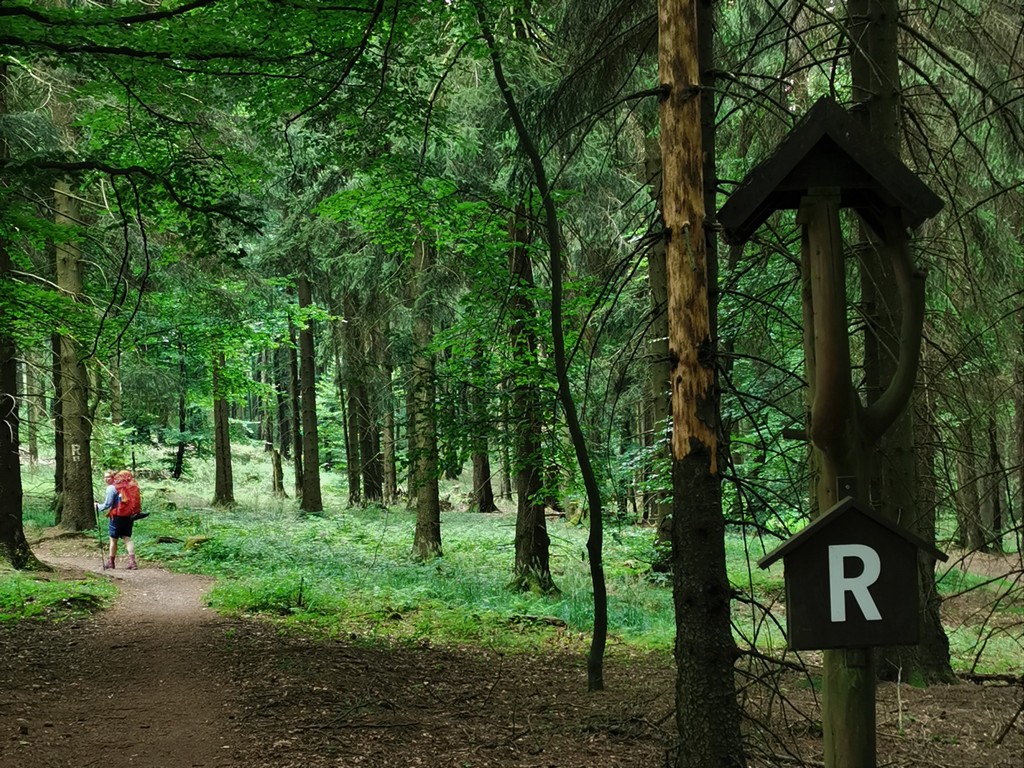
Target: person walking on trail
[121, 522]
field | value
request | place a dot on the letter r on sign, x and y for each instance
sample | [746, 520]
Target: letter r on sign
[839, 584]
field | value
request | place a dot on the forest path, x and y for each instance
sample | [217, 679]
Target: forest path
[160, 681]
[142, 684]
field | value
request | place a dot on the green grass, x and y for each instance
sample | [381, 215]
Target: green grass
[25, 595]
[957, 582]
[350, 573]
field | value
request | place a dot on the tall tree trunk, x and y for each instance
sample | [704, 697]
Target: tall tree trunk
[427, 541]
[374, 395]
[483, 491]
[412, 463]
[277, 475]
[992, 495]
[294, 401]
[1018, 433]
[13, 544]
[33, 413]
[707, 713]
[311, 501]
[933, 646]
[893, 487]
[660, 375]
[388, 440]
[349, 331]
[179, 455]
[15, 548]
[77, 511]
[505, 480]
[281, 382]
[595, 538]
[58, 431]
[533, 562]
[268, 401]
[369, 448]
[970, 535]
[224, 486]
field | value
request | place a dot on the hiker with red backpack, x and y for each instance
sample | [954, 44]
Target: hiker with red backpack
[123, 505]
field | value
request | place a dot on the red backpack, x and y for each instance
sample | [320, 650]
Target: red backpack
[130, 497]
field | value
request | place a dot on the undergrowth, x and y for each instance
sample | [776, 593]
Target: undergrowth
[27, 595]
[350, 573]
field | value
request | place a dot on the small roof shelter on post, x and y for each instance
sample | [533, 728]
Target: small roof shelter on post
[828, 148]
[851, 580]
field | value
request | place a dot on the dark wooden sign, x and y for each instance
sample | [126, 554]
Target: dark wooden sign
[851, 580]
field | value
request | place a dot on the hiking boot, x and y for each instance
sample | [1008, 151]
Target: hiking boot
[109, 564]
[132, 565]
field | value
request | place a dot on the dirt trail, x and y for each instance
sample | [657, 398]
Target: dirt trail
[142, 684]
[159, 681]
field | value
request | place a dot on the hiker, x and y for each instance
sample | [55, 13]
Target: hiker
[121, 521]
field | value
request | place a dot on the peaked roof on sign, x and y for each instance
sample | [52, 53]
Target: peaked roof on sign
[828, 148]
[847, 505]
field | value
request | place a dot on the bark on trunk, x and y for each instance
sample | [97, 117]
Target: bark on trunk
[58, 431]
[77, 512]
[894, 484]
[15, 547]
[595, 537]
[224, 487]
[427, 540]
[294, 401]
[388, 442]
[532, 570]
[284, 427]
[483, 491]
[992, 495]
[659, 409]
[277, 475]
[927, 662]
[179, 455]
[268, 401]
[369, 448]
[33, 412]
[312, 501]
[377, 393]
[353, 363]
[707, 713]
[970, 535]
[505, 481]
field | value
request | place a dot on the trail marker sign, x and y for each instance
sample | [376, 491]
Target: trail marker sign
[851, 580]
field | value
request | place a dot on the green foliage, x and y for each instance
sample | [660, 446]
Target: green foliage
[27, 596]
[111, 444]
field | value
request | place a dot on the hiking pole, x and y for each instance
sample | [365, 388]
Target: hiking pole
[99, 538]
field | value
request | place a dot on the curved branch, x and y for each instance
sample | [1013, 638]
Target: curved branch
[910, 282]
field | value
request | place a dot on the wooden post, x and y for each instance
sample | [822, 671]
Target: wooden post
[848, 693]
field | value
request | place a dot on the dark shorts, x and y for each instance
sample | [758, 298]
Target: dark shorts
[120, 527]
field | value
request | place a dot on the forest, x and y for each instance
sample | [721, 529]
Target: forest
[442, 284]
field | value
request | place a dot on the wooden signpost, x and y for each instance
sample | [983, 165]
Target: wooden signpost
[840, 568]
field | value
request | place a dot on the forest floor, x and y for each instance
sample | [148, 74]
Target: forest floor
[161, 681]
